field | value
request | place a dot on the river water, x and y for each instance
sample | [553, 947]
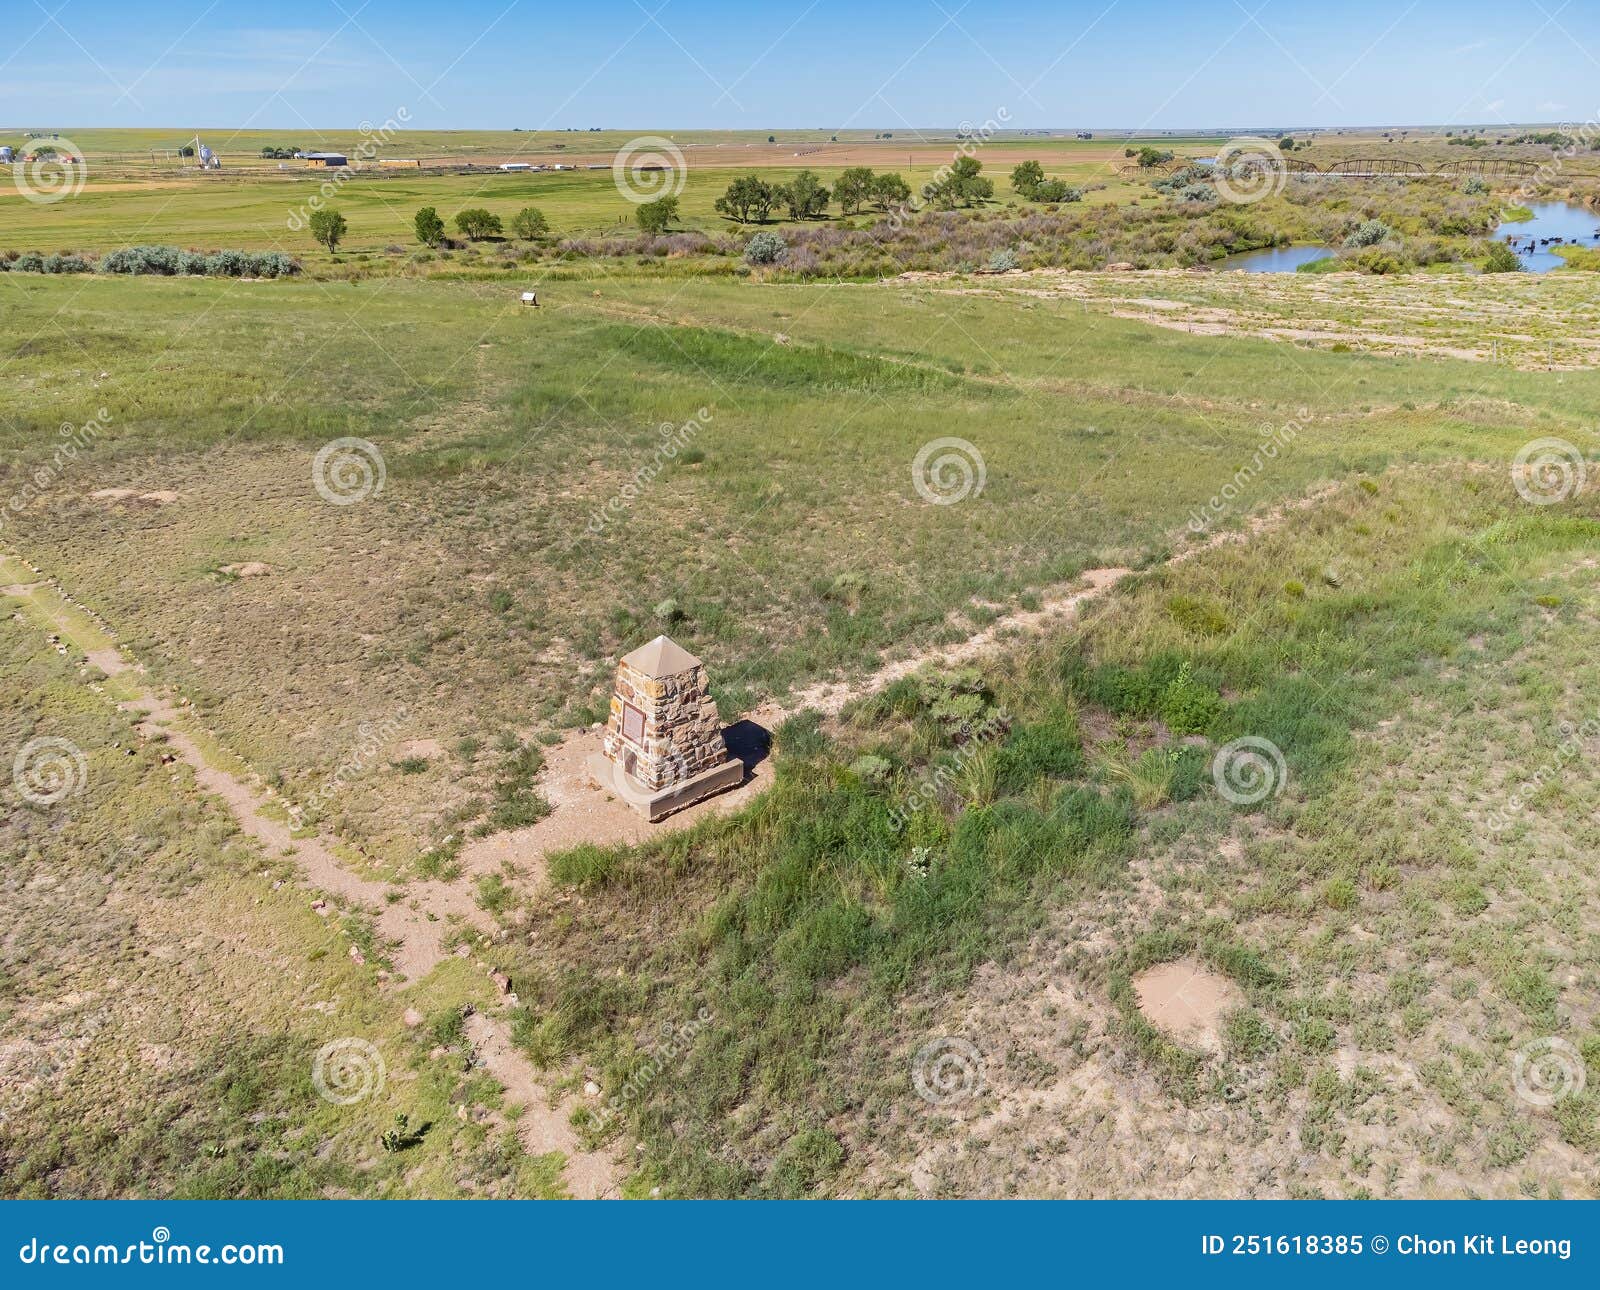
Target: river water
[1552, 223]
[1275, 259]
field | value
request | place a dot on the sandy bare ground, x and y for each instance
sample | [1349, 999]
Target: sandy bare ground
[1188, 1001]
[590, 1175]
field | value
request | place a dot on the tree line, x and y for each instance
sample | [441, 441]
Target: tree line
[750, 199]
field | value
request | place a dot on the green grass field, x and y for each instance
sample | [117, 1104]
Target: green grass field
[1411, 633]
[130, 198]
[795, 547]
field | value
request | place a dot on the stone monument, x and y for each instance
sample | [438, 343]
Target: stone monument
[663, 746]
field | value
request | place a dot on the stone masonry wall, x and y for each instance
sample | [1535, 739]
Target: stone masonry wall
[682, 732]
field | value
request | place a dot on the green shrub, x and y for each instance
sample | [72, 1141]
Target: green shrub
[960, 701]
[584, 866]
[872, 770]
[1187, 706]
[1201, 617]
[1043, 750]
[1191, 771]
[494, 894]
[801, 735]
[1368, 233]
[1379, 262]
[1339, 893]
[807, 1160]
[1502, 259]
[1057, 190]
[765, 248]
[1128, 691]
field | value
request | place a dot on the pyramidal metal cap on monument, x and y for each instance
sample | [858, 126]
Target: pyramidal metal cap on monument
[663, 748]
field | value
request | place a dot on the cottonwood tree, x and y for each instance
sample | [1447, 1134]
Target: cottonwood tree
[478, 223]
[657, 216]
[328, 227]
[962, 185]
[747, 200]
[429, 227]
[890, 190]
[852, 189]
[804, 195]
[1026, 178]
[530, 224]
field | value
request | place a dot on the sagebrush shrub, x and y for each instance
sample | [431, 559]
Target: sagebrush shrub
[765, 248]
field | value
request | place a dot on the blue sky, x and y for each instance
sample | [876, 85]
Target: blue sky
[693, 64]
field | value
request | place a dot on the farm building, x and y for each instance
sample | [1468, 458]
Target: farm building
[324, 158]
[407, 163]
[515, 165]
